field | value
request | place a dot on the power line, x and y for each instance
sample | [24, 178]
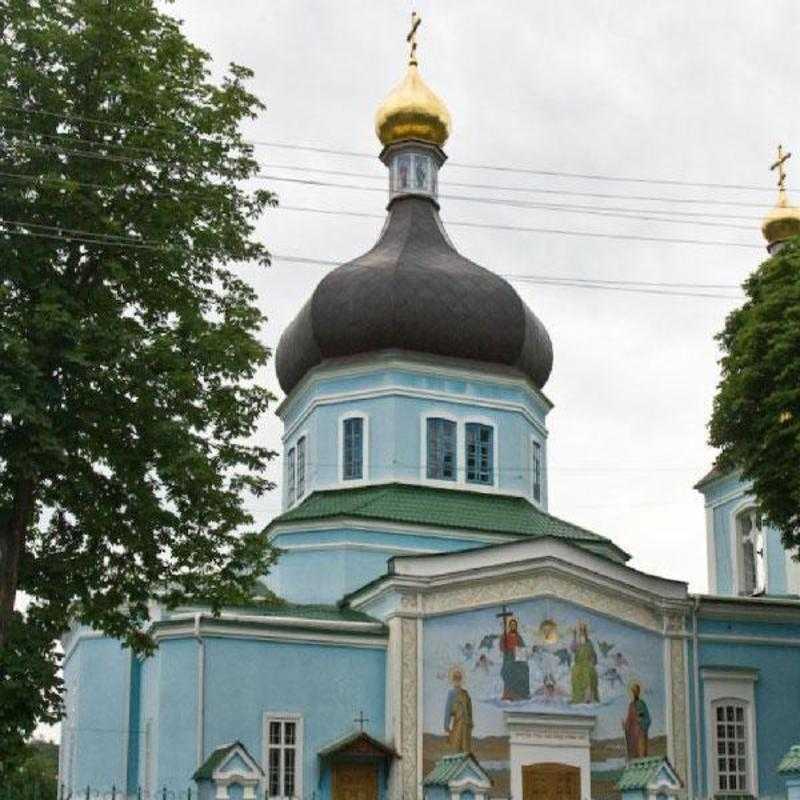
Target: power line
[523, 277]
[519, 228]
[635, 287]
[530, 170]
[527, 189]
[646, 215]
[623, 213]
[360, 154]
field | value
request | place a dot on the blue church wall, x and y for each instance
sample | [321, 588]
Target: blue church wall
[548, 672]
[776, 698]
[394, 450]
[177, 713]
[98, 669]
[327, 685]
[295, 576]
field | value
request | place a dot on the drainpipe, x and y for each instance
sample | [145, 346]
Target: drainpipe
[696, 670]
[201, 680]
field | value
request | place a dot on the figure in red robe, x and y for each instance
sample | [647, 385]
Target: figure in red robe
[515, 674]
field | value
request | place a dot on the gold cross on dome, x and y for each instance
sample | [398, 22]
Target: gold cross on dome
[416, 20]
[782, 159]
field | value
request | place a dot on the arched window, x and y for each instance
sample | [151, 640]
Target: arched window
[536, 469]
[301, 467]
[479, 453]
[441, 446]
[353, 449]
[750, 544]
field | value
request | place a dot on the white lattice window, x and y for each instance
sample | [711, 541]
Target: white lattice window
[731, 746]
[283, 736]
[730, 717]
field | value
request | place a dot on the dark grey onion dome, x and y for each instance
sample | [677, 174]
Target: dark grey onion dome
[413, 291]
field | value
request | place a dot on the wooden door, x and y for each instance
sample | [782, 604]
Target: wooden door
[355, 782]
[551, 782]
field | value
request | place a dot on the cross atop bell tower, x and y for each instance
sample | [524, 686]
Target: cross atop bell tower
[416, 21]
[782, 159]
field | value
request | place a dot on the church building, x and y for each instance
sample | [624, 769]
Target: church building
[439, 633]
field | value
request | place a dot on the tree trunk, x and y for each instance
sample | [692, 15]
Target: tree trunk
[12, 542]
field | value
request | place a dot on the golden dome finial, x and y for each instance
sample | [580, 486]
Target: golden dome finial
[783, 221]
[412, 110]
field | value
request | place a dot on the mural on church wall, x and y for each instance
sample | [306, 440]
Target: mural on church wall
[548, 656]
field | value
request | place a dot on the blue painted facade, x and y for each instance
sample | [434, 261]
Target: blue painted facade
[377, 617]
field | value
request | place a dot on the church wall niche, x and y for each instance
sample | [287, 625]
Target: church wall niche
[542, 656]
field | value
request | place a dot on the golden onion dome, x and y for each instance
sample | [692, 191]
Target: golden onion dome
[782, 222]
[412, 111]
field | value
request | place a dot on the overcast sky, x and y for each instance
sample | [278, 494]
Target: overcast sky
[678, 90]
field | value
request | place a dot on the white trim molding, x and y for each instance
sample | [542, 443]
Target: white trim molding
[735, 687]
[416, 363]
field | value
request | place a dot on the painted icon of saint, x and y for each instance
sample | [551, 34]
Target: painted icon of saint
[636, 724]
[458, 715]
[515, 673]
[584, 668]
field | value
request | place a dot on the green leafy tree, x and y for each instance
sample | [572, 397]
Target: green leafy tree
[33, 775]
[128, 346]
[756, 417]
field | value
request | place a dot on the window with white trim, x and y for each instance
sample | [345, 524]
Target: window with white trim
[284, 750]
[301, 467]
[536, 470]
[479, 453]
[290, 476]
[441, 447]
[731, 746]
[750, 544]
[353, 449]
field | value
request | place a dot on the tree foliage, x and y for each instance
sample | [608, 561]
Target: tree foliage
[756, 417]
[128, 346]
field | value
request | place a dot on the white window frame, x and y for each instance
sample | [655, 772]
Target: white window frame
[535, 442]
[364, 448]
[423, 435]
[303, 437]
[283, 716]
[721, 686]
[292, 473]
[736, 563]
[460, 481]
[494, 486]
[291, 478]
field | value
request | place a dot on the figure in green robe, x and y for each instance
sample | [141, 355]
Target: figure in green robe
[584, 669]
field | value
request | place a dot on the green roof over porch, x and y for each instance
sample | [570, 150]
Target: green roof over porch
[429, 506]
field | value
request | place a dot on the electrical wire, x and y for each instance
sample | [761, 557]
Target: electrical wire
[523, 229]
[637, 287]
[360, 154]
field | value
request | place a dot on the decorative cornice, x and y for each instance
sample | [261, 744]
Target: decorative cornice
[354, 366]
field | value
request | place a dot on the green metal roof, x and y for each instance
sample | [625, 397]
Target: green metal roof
[790, 763]
[450, 768]
[641, 772]
[205, 772]
[445, 508]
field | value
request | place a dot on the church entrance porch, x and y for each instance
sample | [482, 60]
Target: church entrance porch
[355, 782]
[549, 755]
[551, 782]
[355, 766]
